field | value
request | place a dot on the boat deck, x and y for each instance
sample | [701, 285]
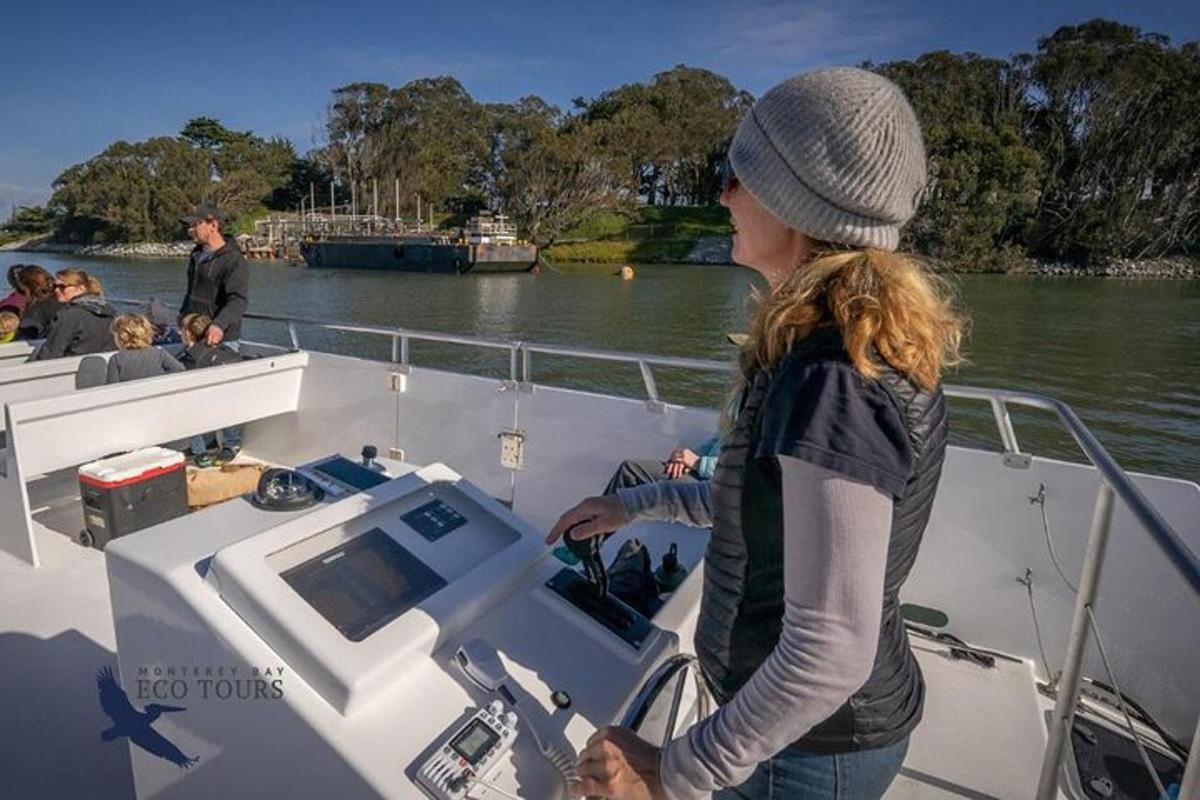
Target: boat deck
[981, 735]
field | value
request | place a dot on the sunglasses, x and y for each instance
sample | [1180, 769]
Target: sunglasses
[729, 179]
[58, 287]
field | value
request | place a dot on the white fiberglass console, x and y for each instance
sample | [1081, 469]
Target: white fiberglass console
[348, 599]
[319, 652]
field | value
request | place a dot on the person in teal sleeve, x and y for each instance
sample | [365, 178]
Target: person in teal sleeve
[682, 464]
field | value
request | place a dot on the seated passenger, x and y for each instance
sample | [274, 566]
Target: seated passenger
[41, 305]
[199, 353]
[83, 325]
[136, 356]
[682, 463]
[8, 325]
[17, 299]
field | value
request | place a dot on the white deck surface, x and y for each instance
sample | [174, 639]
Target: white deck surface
[981, 735]
[56, 631]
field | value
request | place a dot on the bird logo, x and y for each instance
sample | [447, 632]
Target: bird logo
[128, 721]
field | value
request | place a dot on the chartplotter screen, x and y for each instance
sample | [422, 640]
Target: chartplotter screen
[363, 584]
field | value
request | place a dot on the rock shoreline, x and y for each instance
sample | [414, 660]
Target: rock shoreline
[717, 250]
[120, 250]
[1155, 268]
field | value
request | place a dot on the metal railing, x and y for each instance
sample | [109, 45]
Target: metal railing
[675, 669]
[1114, 482]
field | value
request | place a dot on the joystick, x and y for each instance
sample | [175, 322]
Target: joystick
[369, 453]
[588, 552]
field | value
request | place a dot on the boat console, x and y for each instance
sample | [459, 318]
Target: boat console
[352, 621]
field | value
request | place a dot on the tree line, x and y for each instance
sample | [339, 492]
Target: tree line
[1087, 148]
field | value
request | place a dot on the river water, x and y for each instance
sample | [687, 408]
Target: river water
[1124, 354]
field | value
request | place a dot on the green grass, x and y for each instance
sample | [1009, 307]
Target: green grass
[654, 223]
[245, 223]
[622, 252]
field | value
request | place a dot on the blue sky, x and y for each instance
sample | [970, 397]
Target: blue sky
[75, 76]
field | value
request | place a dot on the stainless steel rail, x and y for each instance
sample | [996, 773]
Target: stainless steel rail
[1113, 481]
[654, 685]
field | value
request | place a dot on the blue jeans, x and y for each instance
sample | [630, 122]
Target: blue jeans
[858, 775]
[230, 437]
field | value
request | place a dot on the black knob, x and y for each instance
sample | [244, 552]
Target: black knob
[670, 560]
[369, 452]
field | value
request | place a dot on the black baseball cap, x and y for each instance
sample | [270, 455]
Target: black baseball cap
[202, 213]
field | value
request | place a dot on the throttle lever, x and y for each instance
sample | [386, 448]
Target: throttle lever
[588, 552]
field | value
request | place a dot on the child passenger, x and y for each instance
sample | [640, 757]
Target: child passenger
[199, 354]
[8, 326]
[136, 357]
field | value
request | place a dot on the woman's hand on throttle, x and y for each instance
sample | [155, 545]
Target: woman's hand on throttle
[594, 516]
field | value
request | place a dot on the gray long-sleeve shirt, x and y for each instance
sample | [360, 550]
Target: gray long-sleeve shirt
[144, 362]
[836, 534]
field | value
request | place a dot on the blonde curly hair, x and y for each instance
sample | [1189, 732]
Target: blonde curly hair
[886, 305]
[133, 332]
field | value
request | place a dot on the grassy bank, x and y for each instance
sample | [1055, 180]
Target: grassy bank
[647, 235]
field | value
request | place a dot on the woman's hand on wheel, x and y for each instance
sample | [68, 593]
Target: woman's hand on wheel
[593, 517]
[619, 765]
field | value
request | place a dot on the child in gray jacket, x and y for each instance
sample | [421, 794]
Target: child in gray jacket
[136, 356]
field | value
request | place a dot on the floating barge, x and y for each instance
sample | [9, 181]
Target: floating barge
[486, 244]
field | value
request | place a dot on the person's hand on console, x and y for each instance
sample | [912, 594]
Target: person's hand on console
[619, 765]
[595, 516]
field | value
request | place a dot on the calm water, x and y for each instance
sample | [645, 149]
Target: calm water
[1125, 355]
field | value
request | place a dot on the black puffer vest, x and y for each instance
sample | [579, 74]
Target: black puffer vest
[741, 612]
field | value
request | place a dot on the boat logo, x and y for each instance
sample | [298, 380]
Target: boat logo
[128, 721]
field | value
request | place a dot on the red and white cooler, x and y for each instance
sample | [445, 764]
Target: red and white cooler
[126, 493]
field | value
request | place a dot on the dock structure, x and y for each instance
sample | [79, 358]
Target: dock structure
[280, 235]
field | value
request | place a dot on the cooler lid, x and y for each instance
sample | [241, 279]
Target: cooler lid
[122, 468]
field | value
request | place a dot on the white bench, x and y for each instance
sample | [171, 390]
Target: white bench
[63, 431]
[18, 352]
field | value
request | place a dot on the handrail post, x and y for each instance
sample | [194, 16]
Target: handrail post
[673, 713]
[404, 350]
[651, 387]
[526, 364]
[395, 348]
[1072, 672]
[1008, 436]
[1189, 787]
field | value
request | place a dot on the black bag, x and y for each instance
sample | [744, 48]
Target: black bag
[631, 579]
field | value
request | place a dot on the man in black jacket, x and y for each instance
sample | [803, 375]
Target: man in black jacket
[218, 279]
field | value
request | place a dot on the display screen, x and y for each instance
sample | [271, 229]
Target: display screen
[364, 584]
[434, 520]
[345, 471]
[474, 741]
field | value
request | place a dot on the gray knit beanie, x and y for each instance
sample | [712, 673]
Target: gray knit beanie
[836, 154]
